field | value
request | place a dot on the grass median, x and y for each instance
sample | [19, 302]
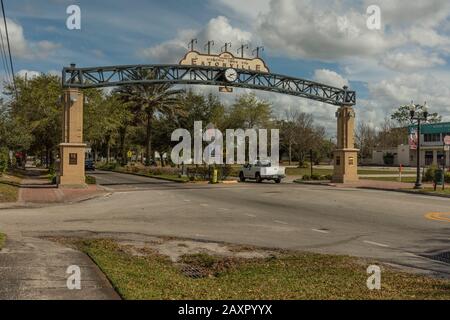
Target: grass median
[9, 188]
[150, 275]
[2, 240]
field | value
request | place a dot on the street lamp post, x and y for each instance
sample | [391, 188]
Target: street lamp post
[418, 114]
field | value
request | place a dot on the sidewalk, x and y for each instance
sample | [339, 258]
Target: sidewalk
[369, 184]
[36, 269]
[37, 189]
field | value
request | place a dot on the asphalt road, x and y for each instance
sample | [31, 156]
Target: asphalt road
[387, 226]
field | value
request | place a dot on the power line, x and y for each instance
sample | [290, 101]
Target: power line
[9, 48]
[4, 57]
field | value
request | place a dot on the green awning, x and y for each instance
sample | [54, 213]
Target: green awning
[443, 127]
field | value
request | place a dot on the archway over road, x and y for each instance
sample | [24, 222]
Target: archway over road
[74, 79]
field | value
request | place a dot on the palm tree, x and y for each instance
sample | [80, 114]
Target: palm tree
[147, 101]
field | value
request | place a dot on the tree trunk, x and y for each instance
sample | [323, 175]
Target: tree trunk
[148, 140]
[290, 153]
[122, 133]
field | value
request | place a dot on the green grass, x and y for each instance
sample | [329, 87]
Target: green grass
[290, 276]
[438, 190]
[9, 192]
[404, 179]
[2, 240]
[174, 178]
[91, 180]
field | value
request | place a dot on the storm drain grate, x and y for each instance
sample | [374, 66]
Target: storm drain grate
[193, 272]
[443, 257]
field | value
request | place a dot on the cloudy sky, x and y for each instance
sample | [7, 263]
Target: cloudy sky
[327, 41]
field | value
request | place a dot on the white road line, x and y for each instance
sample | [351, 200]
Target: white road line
[186, 200]
[376, 244]
[321, 231]
[250, 215]
[280, 222]
[204, 205]
[224, 209]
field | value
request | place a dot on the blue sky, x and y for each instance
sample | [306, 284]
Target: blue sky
[327, 41]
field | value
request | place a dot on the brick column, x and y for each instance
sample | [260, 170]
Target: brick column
[345, 156]
[72, 148]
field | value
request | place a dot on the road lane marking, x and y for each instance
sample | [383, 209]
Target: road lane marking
[319, 230]
[250, 215]
[376, 244]
[204, 205]
[280, 222]
[438, 216]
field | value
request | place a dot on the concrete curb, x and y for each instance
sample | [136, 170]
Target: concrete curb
[165, 179]
[422, 193]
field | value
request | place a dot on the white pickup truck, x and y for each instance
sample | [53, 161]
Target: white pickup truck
[262, 170]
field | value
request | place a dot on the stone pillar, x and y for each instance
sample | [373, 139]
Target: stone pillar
[345, 156]
[72, 148]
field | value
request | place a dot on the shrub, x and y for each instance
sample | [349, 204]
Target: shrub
[159, 171]
[447, 177]
[306, 177]
[4, 160]
[429, 174]
[91, 180]
[198, 173]
[109, 166]
[315, 177]
[328, 177]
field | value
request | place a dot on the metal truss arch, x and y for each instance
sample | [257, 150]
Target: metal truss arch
[111, 76]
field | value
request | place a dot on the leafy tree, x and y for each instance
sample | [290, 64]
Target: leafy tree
[146, 102]
[37, 110]
[402, 116]
[366, 140]
[249, 113]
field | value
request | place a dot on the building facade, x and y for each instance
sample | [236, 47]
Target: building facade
[432, 150]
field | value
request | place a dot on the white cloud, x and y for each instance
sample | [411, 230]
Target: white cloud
[322, 31]
[21, 47]
[248, 9]
[218, 29]
[330, 78]
[387, 95]
[29, 74]
[411, 60]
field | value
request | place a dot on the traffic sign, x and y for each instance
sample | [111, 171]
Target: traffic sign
[129, 154]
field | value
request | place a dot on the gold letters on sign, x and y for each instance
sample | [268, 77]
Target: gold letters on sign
[224, 60]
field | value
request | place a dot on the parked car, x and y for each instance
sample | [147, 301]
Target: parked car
[262, 170]
[89, 165]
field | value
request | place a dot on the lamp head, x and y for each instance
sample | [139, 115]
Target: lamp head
[412, 109]
[425, 110]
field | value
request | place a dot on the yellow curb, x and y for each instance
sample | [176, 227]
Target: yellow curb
[438, 216]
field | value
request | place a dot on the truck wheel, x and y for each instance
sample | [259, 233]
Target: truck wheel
[277, 180]
[241, 177]
[258, 178]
